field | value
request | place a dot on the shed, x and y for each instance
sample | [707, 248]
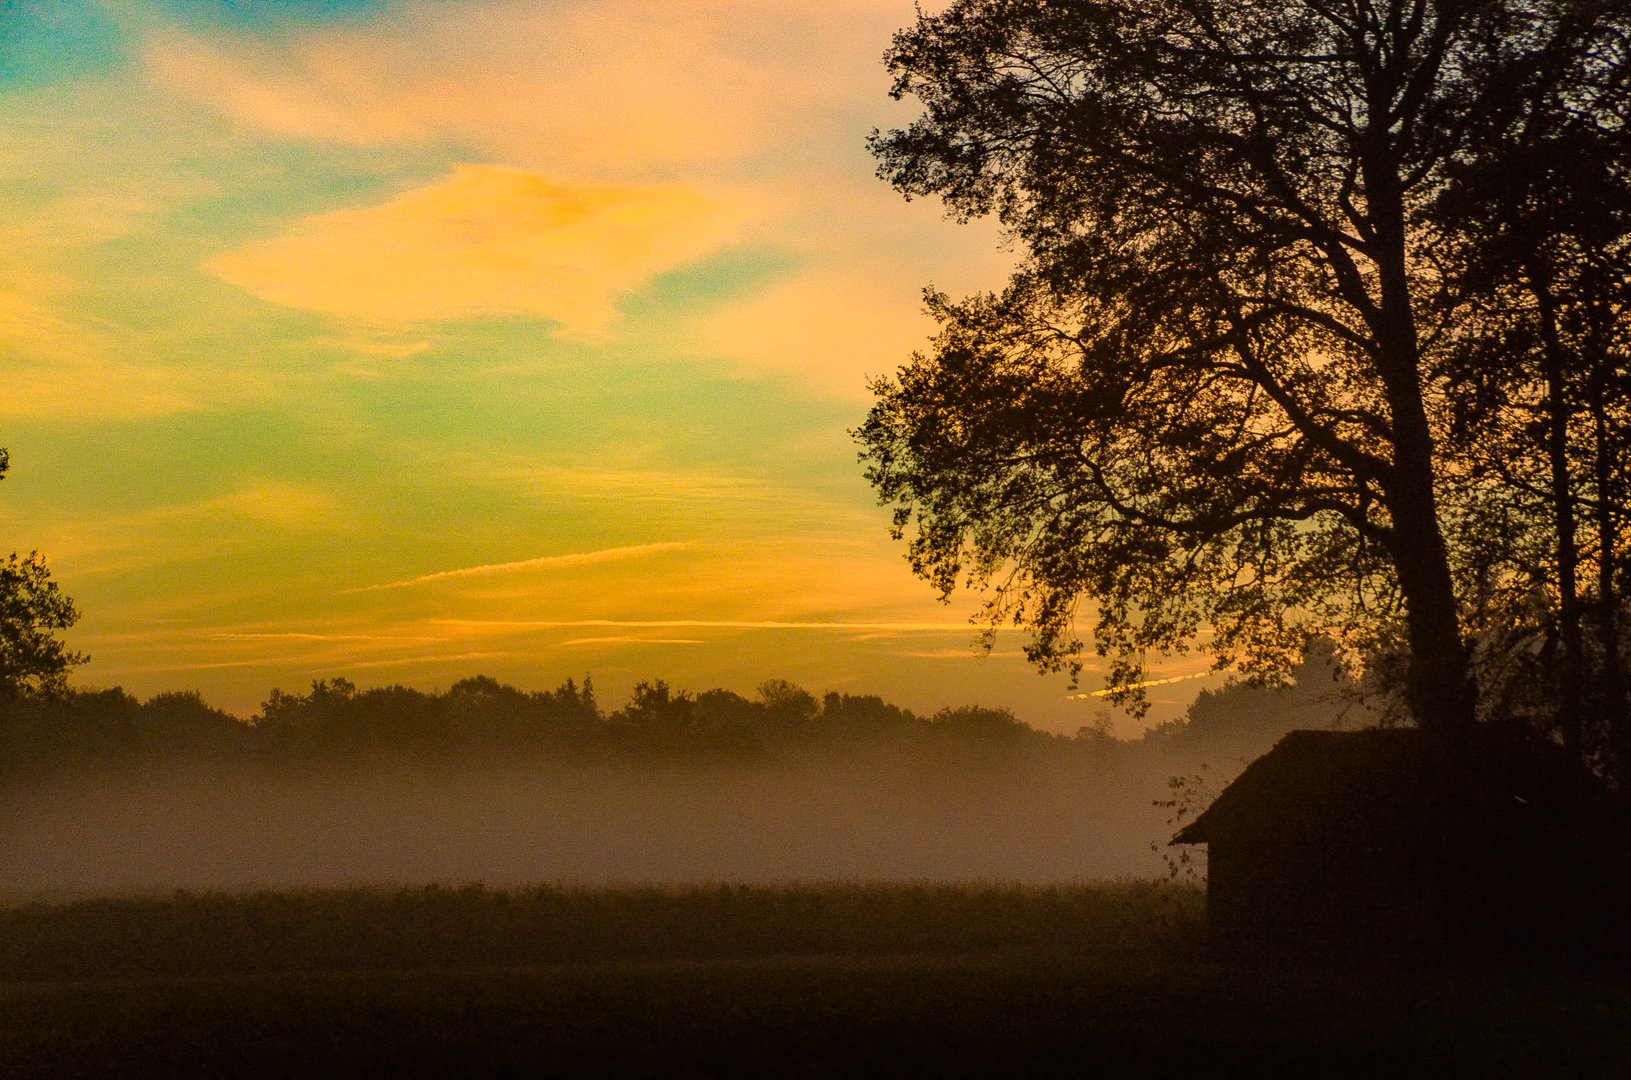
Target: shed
[1402, 842]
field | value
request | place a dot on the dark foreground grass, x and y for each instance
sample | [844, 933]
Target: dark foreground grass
[370, 929]
[1104, 981]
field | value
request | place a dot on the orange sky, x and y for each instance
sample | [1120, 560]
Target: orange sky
[405, 341]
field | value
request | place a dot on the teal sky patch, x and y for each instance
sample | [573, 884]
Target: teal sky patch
[712, 283]
[42, 41]
[265, 14]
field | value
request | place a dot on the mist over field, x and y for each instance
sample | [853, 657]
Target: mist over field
[581, 824]
[343, 787]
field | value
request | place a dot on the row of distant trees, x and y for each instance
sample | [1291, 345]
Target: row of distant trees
[480, 720]
[477, 719]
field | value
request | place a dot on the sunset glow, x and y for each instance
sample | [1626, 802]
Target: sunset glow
[404, 340]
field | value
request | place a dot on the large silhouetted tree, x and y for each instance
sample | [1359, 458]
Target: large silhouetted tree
[1542, 362]
[1216, 395]
[32, 611]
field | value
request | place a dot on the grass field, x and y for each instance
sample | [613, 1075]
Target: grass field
[1105, 980]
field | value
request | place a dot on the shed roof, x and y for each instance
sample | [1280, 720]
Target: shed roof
[1398, 781]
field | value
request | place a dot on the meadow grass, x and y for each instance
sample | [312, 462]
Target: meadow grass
[452, 926]
[797, 980]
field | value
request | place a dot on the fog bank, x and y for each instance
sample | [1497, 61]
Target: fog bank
[581, 823]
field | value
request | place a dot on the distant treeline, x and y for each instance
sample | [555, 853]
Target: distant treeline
[479, 719]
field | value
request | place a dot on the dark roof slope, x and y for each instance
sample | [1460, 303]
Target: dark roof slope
[1396, 781]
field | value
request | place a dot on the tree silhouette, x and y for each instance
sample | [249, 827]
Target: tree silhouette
[1217, 392]
[1544, 233]
[33, 660]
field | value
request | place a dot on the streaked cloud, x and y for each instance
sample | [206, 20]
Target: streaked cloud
[280, 505]
[56, 364]
[487, 241]
[589, 481]
[434, 658]
[295, 635]
[509, 625]
[631, 639]
[371, 346]
[181, 531]
[547, 562]
[764, 105]
[625, 87]
[55, 357]
[1148, 684]
[955, 655]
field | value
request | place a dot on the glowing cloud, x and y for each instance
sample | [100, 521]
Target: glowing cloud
[601, 88]
[834, 333]
[58, 361]
[488, 241]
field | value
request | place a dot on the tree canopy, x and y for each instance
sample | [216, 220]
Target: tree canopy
[1234, 391]
[33, 659]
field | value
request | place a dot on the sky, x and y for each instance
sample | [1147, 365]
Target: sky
[405, 340]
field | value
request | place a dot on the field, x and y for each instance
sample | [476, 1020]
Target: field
[1109, 980]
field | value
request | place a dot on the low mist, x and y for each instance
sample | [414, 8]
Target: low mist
[344, 787]
[578, 824]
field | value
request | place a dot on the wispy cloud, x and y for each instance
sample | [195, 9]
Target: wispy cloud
[53, 356]
[436, 658]
[316, 662]
[546, 562]
[623, 485]
[613, 84]
[372, 346]
[1145, 685]
[181, 531]
[291, 507]
[757, 105]
[487, 241]
[501, 625]
[290, 635]
[631, 639]
[955, 654]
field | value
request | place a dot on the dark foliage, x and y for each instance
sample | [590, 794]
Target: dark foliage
[480, 719]
[33, 660]
[93, 730]
[1222, 390]
[1539, 230]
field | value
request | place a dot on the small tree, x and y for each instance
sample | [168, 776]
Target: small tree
[33, 660]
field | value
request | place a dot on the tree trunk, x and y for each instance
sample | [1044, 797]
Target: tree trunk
[1571, 668]
[1615, 703]
[1439, 684]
